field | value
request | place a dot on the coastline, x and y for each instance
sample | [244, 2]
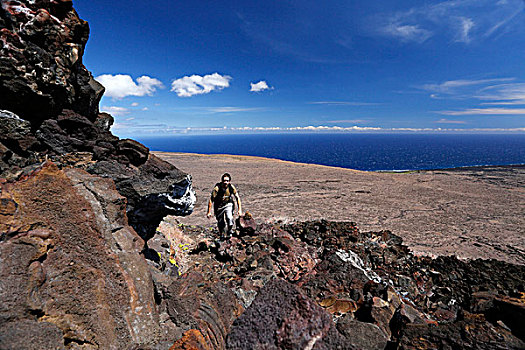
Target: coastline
[395, 171]
[251, 158]
[471, 213]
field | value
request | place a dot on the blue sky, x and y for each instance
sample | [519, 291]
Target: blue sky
[241, 66]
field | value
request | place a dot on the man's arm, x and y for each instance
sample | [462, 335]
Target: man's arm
[210, 203]
[238, 200]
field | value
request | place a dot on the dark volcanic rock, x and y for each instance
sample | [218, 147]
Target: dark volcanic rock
[49, 110]
[210, 307]
[472, 332]
[41, 66]
[378, 294]
[362, 335]
[281, 317]
[154, 189]
[72, 271]
[16, 144]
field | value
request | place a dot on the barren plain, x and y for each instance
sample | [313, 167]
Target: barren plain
[474, 212]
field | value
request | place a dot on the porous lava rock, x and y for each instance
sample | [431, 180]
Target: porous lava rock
[280, 317]
[77, 203]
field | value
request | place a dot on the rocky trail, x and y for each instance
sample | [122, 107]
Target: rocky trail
[326, 285]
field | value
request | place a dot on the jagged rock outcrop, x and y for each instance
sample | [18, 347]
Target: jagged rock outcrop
[41, 61]
[280, 317]
[49, 110]
[73, 196]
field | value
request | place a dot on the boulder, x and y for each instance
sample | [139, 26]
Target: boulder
[206, 306]
[472, 332]
[280, 317]
[362, 335]
[246, 224]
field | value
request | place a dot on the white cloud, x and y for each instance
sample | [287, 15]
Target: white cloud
[486, 111]
[231, 109]
[347, 121]
[157, 129]
[505, 93]
[491, 90]
[460, 88]
[260, 86]
[407, 32]
[333, 128]
[447, 121]
[343, 103]
[120, 85]
[196, 85]
[114, 110]
[134, 104]
[466, 24]
[505, 19]
[322, 128]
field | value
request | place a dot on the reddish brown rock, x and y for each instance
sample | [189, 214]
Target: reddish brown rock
[209, 307]
[472, 332]
[246, 224]
[362, 335]
[74, 267]
[49, 110]
[191, 340]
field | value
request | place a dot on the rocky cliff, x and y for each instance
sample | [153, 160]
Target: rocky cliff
[49, 110]
[91, 259]
[78, 204]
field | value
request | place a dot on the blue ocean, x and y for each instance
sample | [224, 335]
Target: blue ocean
[372, 152]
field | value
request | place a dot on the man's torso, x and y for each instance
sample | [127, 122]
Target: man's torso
[221, 196]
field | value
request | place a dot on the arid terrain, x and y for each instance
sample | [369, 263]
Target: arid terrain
[469, 212]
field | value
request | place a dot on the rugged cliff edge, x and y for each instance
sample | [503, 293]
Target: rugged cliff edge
[86, 239]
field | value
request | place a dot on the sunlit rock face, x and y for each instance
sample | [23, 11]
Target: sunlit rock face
[154, 189]
[72, 269]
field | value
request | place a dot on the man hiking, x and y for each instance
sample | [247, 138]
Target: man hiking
[222, 198]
